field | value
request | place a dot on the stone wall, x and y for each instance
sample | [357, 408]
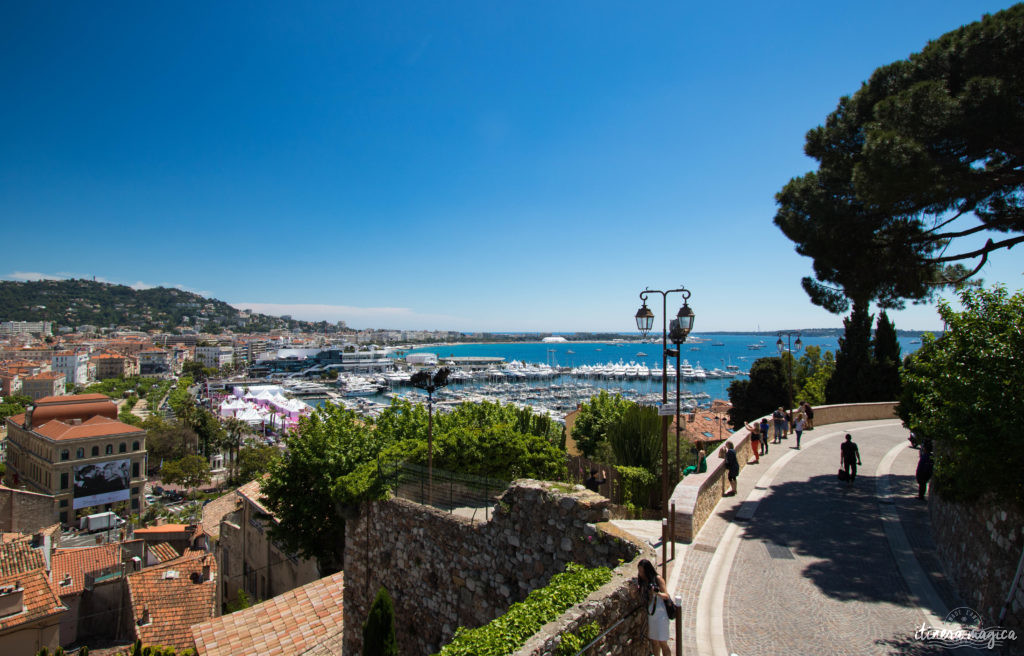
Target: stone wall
[834, 414]
[25, 512]
[696, 496]
[980, 545]
[444, 571]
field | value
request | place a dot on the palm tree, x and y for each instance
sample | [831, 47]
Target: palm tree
[235, 429]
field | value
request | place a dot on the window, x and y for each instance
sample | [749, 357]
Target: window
[135, 446]
[80, 453]
[64, 480]
[122, 447]
[63, 503]
[135, 491]
[65, 454]
[95, 451]
[110, 449]
[64, 518]
[135, 470]
[135, 503]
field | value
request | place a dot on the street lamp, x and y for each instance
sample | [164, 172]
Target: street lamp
[681, 327]
[430, 383]
[784, 347]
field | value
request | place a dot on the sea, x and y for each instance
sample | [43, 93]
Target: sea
[710, 350]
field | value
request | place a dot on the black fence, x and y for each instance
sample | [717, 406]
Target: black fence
[469, 496]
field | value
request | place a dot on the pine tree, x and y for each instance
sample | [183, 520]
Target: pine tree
[851, 382]
[887, 360]
[379, 628]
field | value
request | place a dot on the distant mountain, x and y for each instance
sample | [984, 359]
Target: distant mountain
[86, 302]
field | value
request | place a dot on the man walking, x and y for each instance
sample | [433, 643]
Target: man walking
[849, 458]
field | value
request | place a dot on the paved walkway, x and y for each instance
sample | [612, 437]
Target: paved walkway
[800, 563]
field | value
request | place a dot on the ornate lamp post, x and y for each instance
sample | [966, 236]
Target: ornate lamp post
[430, 383]
[682, 325]
[788, 347]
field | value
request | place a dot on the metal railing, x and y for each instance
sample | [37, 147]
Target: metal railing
[466, 495]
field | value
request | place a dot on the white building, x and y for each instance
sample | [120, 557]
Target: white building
[215, 357]
[74, 366]
[40, 328]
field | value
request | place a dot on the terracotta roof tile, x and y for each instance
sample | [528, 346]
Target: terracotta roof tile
[251, 491]
[73, 398]
[174, 601]
[39, 599]
[97, 426]
[216, 510]
[163, 552]
[290, 623]
[73, 564]
[18, 557]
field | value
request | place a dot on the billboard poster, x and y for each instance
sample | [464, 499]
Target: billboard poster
[101, 483]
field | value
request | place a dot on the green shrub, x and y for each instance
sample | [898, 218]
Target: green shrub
[636, 485]
[379, 628]
[509, 632]
[572, 643]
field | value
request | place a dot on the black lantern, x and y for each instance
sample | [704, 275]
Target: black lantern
[644, 319]
[685, 319]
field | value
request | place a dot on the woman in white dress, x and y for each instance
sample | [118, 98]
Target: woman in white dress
[655, 592]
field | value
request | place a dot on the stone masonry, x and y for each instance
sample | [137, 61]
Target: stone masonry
[980, 545]
[444, 571]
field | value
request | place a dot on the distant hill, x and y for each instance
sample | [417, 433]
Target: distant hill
[86, 302]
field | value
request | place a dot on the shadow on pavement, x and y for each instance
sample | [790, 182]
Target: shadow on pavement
[838, 526]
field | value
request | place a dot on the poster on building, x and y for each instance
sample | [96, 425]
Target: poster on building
[101, 483]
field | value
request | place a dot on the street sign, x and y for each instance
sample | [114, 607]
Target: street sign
[666, 410]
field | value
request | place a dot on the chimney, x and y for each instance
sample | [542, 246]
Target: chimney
[28, 416]
[12, 599]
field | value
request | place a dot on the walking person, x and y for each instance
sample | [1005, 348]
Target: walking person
[925, 466]
[799, 428]
[655, 592]
[594, 483]
[779, 419]
[732, 466]
[849, 458]
[755, 441]
[765, 429]
[809, 413]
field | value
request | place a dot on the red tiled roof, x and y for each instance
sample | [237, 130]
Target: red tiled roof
[95, 427]
[174, 603]
[216, 510]
[46, 375]
[290, 623]
[163, 552]
[79, 562]
[18, 557]
[74, 398]
[39, 599]
[251, 491]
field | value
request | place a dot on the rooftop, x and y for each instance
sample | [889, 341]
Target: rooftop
[39, 599]
[290, 623]
[94, 427]
[176, 596]
[76, 563]
[18, 557]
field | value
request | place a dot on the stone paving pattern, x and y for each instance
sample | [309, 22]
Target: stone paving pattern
[841, 591]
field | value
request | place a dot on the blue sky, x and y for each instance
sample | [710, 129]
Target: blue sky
[459, 165]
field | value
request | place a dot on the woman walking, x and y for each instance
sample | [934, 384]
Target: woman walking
[799, 427]
[655, 592]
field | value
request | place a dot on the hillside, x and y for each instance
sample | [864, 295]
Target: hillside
[85, 302]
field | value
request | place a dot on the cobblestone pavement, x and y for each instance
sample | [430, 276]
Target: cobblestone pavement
[813, 570]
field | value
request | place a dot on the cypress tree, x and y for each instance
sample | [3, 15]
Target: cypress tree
[887, 360]
[379, 628]
[851, 382]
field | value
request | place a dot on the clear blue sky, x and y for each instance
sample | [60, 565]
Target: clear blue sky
[463, 165]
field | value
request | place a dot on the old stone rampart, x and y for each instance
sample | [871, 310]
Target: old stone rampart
[696, 496]
[444, 571]
[980, 545]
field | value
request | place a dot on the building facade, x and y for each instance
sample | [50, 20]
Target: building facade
[74, 366]
[215, 357]
[73, 448]
[48, 383]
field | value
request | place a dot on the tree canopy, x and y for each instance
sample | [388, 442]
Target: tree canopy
[928, 152]
[965, 391]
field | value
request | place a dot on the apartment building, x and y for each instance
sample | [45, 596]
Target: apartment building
[154, 362]
[112, 365]
[74, 366]
[73, 448]
[48, 383]
[215, 357]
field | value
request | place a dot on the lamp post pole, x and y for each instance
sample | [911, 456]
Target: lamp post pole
[681, 327]
[788, 348]
[430, 383]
